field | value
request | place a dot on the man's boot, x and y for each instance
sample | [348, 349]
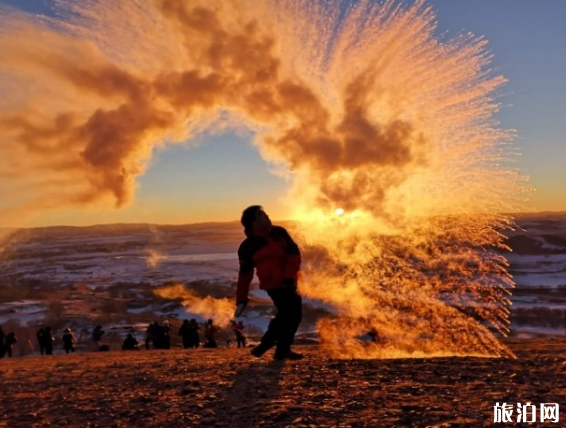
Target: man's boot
[261, 349]
[281, 355]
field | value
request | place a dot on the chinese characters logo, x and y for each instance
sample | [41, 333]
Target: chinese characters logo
[547, 412]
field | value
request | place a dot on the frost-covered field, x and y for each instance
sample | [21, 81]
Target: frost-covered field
[538, 260]
[105, 255]
[98, 257]
[119, 265]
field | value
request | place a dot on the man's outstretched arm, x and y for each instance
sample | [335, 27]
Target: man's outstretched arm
[245, 276]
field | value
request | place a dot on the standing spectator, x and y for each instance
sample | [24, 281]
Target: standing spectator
[9, 341]
[68, 341]
[150, 334]
[158, 336]
[194, 333]
[238, 328]
[185, 333]
[48, 341]
[210, 335]
[166, 335]
[97, 334]
[40, 340]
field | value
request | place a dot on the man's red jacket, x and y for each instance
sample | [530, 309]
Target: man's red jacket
[275, 257]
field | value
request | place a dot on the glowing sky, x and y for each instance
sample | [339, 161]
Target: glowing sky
[214, 179]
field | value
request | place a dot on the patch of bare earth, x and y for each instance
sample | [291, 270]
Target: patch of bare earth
[230, 388]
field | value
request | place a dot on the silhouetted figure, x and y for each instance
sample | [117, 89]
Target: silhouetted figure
[68, 341]
[157, 335]
[166, 335]
[40, 340]
[48, 341]
[210, 335]
[8, 342]
[238, 328]
[2, 340]
[148, 335]
[185, 333]
[130, 343]
[276, 258]
[194, 333]
[97, 334]
[153, 335]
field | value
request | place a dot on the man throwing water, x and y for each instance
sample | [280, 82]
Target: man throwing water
[276, 258]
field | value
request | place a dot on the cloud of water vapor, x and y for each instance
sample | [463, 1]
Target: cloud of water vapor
[219, 310]
[367, 108]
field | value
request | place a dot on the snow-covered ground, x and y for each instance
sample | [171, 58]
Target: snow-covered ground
[143, 254]
[25, 311]
[538, 262]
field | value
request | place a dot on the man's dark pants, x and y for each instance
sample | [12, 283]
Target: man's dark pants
[282, 328]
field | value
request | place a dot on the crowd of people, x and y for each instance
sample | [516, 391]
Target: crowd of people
[157, 336]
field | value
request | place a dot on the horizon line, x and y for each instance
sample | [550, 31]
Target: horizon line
[202, 223]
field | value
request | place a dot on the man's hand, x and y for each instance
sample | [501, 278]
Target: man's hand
[240, 306]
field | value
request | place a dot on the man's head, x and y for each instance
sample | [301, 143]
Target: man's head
[255, 218]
